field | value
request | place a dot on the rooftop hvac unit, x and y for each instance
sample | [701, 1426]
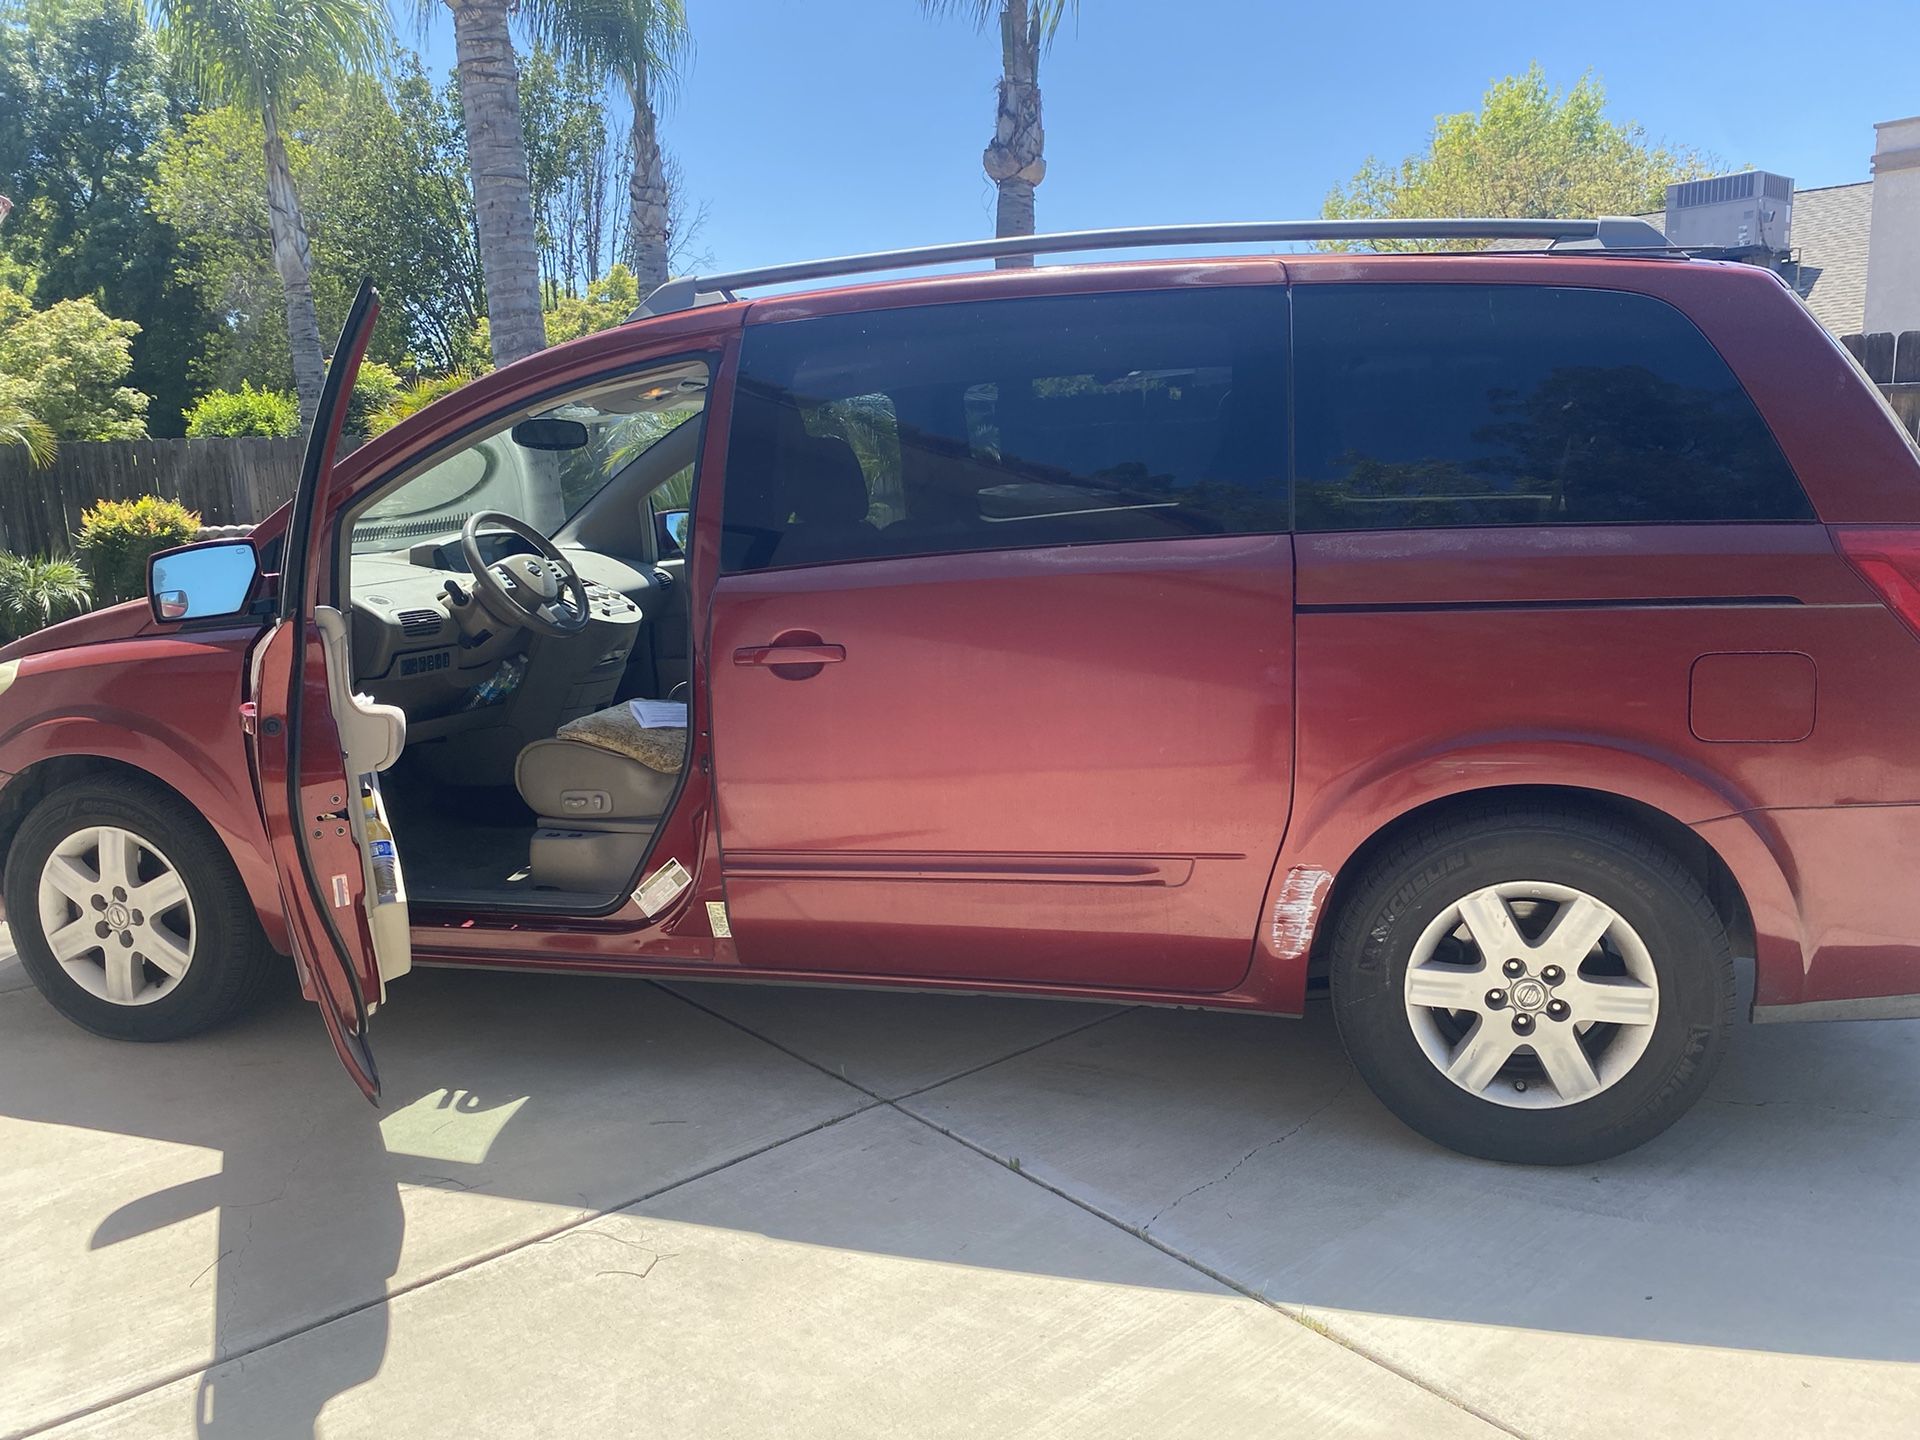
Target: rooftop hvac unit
[1748, 210]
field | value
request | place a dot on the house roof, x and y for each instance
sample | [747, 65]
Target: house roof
[1829, 262]
[1829, 265]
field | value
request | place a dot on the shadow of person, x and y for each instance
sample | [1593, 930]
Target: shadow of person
[228, 1189]
[280, 1231]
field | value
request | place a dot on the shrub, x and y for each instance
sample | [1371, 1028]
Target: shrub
[416, 396]
[375, 388]
[36, 591]
[117, 536]
[245, 411]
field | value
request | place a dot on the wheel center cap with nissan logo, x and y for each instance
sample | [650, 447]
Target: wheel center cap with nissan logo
[1529, 994]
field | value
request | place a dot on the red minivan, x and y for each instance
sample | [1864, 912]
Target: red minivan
[1504, 642]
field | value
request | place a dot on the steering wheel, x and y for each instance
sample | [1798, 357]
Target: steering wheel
[528, 590]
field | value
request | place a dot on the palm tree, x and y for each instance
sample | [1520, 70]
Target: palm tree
[20, 426]
[253, 53]
[497, 160]
[35, 591]
[1015, 159]
[640, 43]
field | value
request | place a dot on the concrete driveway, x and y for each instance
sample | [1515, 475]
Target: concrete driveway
[611, 1208]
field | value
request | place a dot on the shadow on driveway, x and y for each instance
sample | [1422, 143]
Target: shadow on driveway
[200, 1201]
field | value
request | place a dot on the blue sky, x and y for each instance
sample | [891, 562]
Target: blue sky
[811, 128]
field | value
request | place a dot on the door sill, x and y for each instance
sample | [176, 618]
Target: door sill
[439, 906]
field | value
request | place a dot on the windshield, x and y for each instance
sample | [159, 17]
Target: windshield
[535, 470]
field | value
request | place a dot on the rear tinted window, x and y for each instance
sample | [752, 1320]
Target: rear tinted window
[1054, 421]
[1430, 405]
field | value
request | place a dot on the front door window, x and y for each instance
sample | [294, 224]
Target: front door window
[540, 467]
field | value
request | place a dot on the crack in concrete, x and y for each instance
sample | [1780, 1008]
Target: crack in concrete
[1811, 1105]
[1312, 1116]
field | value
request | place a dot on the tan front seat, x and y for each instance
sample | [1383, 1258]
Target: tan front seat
[600, 787]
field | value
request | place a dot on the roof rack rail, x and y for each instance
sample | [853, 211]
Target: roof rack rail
[1617, 233]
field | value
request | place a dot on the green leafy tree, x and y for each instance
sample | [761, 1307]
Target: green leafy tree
[64, 365]
[384, 175]
[1529, 151]
[245, 411]
[561, 108]
[85, 99]
[210, 186]
[390, 166]
[642, 45]
[254, 53]
[36, 591]
[1015, 159]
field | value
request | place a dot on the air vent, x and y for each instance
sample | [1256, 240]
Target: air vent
[418, 623]
[663, 578]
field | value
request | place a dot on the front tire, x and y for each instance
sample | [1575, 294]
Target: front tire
[128, 914]
[1530, 986]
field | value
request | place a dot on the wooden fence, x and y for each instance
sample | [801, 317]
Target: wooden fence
[1888, 358]
[230, 482]
[1893, 362]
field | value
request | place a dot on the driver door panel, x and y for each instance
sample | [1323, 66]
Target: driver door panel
[338, 872]
[325, 886]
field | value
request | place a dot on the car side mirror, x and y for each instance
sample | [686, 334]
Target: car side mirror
[675, 527]
[202, 582]
[547, 432]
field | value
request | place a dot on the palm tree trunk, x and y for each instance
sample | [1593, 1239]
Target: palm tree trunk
[497, 158]
[293, 258]
[1015, 161]
[648, 237]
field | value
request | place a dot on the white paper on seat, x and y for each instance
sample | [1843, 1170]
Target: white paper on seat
[659, 714]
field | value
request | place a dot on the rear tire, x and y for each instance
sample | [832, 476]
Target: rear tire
[1572, 985]
[129, 915]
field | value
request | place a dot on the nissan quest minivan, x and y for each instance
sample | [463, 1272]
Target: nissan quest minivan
[1504, 642]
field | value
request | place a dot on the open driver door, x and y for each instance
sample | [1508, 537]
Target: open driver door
[318, 750]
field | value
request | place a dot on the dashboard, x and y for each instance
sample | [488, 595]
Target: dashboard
[421, 641]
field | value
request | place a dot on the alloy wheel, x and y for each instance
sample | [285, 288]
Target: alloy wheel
[1531, 995]
[116, 915]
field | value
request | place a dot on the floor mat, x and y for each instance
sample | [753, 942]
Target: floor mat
[446, 846]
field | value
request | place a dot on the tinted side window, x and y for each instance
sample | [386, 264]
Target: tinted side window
[1004, 424]
[1425, 405]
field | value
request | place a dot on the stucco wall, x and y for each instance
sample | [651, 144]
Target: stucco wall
[1893, 250]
